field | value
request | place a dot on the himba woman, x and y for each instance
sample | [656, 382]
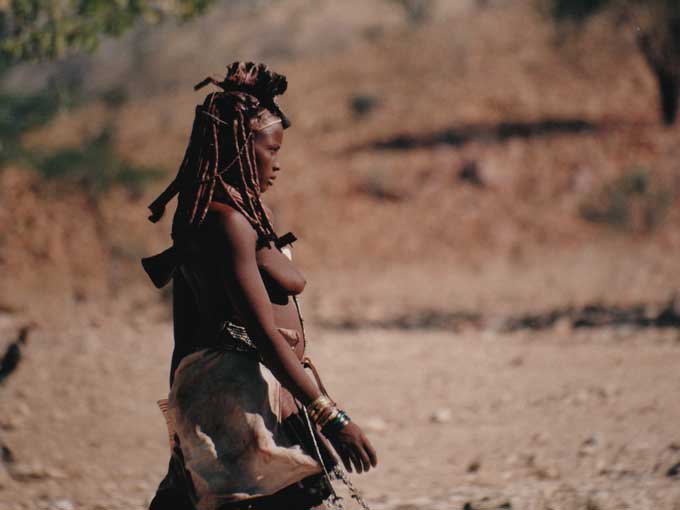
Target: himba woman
[249, 426]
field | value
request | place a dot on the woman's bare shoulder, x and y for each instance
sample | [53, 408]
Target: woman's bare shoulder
[230, 222]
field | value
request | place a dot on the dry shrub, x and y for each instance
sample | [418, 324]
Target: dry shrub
[635, 201]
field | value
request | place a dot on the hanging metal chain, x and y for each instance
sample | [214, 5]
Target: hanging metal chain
[353, 491]
[333, 501]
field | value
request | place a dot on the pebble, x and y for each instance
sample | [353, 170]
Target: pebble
[589, 446]
[62, 504]
[375, 424]
[28, 472]
[55, 473]
[442, 415]
[10, 422]
[474, 466]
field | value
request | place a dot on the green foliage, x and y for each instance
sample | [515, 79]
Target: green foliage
[635, 202]
[47, 29]
[94, 167]
[187, 9]
[114, 97]
[19, 114]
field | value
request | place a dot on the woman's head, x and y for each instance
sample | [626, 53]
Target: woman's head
[267, 144]
[234, 144]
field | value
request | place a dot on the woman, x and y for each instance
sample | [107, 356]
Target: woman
[243, 413]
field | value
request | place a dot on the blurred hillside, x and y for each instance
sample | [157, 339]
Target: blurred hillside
[471, 160]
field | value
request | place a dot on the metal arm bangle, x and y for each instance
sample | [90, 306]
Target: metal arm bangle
[331, 416]
[316, 408]
[338, 423]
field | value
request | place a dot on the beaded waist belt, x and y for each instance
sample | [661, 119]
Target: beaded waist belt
[235, 338]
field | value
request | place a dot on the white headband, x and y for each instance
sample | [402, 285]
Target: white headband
[275, 121]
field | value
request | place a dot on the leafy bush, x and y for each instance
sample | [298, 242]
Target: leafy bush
[19, 114]
[47, 29]
[633, 202]
[94, 167]
[114, 97]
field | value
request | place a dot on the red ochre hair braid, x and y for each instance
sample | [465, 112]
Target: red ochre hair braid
[221, 153]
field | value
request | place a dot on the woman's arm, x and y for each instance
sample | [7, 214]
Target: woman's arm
[247, 289]
[249, 294]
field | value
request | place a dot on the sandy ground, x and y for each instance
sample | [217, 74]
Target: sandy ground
[559, 419]
[550, 420]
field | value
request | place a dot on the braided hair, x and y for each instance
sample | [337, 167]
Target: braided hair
[220, 158]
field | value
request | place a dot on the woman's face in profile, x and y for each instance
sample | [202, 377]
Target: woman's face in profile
[267, 145]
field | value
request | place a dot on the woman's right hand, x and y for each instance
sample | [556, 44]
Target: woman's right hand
[354, 448]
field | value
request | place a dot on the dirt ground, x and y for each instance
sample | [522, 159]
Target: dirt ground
[557, 420]
[389, 227]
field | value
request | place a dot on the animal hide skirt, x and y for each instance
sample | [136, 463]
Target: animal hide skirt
[232, 443]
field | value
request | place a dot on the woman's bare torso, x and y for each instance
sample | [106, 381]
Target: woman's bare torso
[205, 270]
[286, 314]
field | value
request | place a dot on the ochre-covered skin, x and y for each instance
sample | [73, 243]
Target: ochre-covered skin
[282, 281]
[226, 267]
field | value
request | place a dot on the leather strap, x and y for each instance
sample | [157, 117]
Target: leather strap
[307, 363]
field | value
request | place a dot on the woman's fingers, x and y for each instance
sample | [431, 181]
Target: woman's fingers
[353, 453]
[351, 449]
[372, 455]
[355, 450]
[363, 456]
[345, 457]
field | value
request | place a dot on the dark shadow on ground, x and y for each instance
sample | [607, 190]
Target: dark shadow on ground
[493, 133]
